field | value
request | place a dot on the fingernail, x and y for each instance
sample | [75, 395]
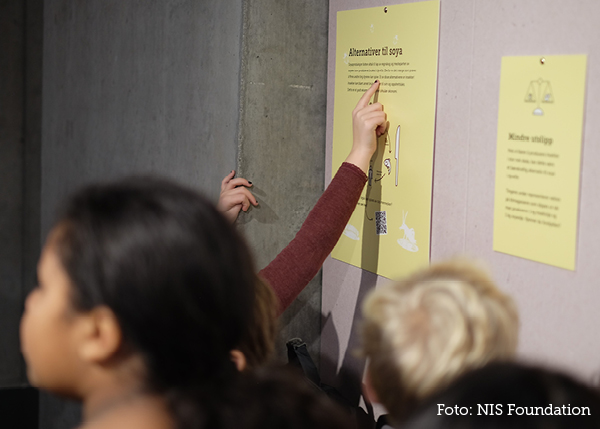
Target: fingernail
[376, 80]
[249, 182]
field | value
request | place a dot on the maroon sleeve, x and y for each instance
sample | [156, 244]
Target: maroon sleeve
[303, 257]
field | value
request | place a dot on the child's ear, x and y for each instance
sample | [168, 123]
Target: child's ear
[101, 335]
[368, 389]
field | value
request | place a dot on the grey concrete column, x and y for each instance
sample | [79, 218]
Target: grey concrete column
[282, 136]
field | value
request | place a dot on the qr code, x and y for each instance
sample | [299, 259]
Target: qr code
[380, 223]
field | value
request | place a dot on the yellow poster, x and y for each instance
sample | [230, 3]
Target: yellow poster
[389, 232]
[538, 157]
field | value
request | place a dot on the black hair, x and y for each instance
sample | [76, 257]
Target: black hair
[178, 277]
[277, 397]
[510, 395]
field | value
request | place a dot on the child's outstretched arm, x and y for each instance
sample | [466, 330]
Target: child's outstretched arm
[303, 257]
[235, 196]
[369, 121]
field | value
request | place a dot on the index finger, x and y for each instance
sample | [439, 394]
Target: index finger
[364, 100]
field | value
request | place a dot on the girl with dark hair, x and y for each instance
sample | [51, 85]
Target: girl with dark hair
[144, 289]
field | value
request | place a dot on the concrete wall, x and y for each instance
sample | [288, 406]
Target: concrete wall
[12, 48]
[137, 87]
[20, 123]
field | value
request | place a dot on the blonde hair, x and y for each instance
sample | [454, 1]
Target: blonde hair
[423, 332]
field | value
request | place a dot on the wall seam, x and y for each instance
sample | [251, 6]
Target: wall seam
[242, 88]
[469, 134]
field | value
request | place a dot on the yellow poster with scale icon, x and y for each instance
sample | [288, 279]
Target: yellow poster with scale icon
[389, 231]
[538, 157]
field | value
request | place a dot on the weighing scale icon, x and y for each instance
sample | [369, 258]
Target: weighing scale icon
[539, 91]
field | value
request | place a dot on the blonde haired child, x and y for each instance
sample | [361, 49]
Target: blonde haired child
[422, 332]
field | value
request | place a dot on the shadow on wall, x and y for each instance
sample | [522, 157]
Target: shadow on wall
[262, 214]
[348, 381]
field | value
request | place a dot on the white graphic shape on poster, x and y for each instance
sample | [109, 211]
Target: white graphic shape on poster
[351, 232]
[408, 242]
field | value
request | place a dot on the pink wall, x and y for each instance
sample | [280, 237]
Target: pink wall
[560, 309]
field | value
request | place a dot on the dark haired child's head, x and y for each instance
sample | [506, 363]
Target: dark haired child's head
[278, 397]
[142, 278]
[510, 395]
